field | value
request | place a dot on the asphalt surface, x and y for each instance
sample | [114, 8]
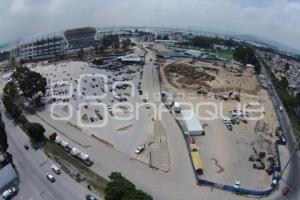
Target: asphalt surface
[33, 166]
[293, 176]
[179, 183]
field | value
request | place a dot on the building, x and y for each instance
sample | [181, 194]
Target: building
[250, 68]
[81, 37]
[50, 45]
[192, 123]
[193, 53]
[8, 177]
[40, 47]
[130, 58]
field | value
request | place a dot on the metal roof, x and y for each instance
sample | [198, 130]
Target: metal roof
[191, 120]
[7, 175]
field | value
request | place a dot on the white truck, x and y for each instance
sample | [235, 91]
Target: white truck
[176, 107]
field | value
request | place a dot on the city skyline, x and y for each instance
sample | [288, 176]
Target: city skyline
[272, 19]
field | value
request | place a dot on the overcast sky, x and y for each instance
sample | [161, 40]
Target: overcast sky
[275, 19]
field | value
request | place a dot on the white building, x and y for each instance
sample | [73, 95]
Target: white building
[41, 46]
[130, 58]
[192, 123]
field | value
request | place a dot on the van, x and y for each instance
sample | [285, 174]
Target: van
[55, 169]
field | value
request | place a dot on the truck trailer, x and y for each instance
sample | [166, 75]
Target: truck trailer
[192, 123]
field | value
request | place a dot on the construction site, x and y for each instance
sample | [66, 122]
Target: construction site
[237, 146]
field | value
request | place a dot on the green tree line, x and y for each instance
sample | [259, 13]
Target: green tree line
[119, 188]
[246, 55]
[31, 85]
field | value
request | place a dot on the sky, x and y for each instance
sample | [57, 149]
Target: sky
[277, 20]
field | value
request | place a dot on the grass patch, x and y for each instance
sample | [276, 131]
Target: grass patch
[225, 55]
[97, 182]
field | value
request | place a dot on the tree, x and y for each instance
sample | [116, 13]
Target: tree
[11, 89]
[13, 109]
[20, 74]
[3, 136]
[158, 37]
[126, 43]
[12, 61]
[36, 131]
[246, 55]
[119, 188]
[165, 37]
[31, 83]
[286, 67]
[80, 54]
[284, 83]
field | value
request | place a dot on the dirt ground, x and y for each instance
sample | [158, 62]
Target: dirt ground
[225, 153]
[215, 76]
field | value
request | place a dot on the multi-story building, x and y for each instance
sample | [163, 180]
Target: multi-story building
[41, 47]
[50, 45]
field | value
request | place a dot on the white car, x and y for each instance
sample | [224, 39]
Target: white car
[9, 193]
[280, 108]
[147, 105]
[50, 177]
[55, 169]
[140, 149]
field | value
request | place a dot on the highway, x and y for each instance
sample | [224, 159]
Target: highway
[293, 175]
[32, 167]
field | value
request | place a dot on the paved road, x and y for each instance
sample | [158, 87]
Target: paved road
[33, 165]
[179, 183]
[293, 176]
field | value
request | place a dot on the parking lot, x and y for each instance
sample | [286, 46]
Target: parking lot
[98, 102]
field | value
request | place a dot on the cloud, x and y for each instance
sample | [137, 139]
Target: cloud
[274, 19]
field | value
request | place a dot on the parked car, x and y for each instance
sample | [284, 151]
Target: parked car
[26, 147]
[90, 197]
[281, 108]
[55, 169]
[285, 191]
[140, 149]
[7, 194]
[50, 177]
[281, 116]
[147, 105]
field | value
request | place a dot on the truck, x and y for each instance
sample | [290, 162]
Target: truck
[194, 127]
[176, 107]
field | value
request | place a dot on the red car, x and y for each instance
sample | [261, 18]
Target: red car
[26, 147]
[285, 191]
